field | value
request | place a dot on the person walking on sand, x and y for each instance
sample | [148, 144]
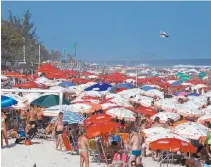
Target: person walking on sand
[58, 129]
[136, 143]
[83, 145]
[3, 130]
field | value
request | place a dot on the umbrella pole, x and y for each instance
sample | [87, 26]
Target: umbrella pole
[60, 101]
[103, 152]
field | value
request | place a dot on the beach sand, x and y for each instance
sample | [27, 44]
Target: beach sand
[43, 153]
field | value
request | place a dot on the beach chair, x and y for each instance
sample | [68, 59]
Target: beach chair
[70, 148]
[93, 150]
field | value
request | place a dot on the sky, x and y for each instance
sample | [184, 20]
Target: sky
[121, 30]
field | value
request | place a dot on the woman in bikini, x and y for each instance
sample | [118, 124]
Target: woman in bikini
[3, 130]
[59, 127]
[83, 145]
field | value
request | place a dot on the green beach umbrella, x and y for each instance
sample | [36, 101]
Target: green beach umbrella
[202, 75]
[49, 101]
[185, 78]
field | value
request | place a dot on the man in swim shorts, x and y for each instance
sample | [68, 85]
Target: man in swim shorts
[135, 142]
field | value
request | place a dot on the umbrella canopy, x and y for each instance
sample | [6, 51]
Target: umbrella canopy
[172, 144]
[99, 87]
[182, 93]
[121, 113]
[85, 107]
[205, 118]
[147, 88]
[66, 84]
[97, 118]
[49, 100]
[193, 94]
[125, 85]
[70, 118]
[164, 116]
[177, 83]
[146, 111]
[191, 130]
[101, 129]
[54, 110]
[190, 112]
[29, 85]
[155, 131]
[7, 102]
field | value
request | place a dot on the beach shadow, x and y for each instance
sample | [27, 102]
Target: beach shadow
[36, 142]
[10, 146]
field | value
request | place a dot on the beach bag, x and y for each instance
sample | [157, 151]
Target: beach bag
[27, 142]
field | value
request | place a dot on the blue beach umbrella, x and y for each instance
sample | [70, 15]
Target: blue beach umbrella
[193, 94]
[7, 102]
[70, 118]
[99, 87]
[177, 83]
[147, 88]
[125, 85]
[66, 84]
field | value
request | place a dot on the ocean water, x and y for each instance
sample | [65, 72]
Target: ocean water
[160, 63]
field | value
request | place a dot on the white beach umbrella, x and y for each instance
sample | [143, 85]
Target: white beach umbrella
[121, 113]
[131, 92]
[79, 108]
[165, 115]
[156, 131]
[154, 92]
[31, 96]
[190, 112]
[204, 118]
[4, 77]
[191, 130]
[143, 100]
[168, 104]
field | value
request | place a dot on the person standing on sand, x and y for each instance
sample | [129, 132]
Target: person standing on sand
[83, 145]
[32, 117]
[58, 129]
[39, 117]
[3, 129]
[136, 143]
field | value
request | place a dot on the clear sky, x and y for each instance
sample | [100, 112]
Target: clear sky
[121, 30]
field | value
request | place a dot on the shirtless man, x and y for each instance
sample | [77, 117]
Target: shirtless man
[32, 117]
[59, 128]
[136, 143]
[39, 117]
[83, 145]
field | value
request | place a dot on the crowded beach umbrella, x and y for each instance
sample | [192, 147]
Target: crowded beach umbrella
[66, 84]
[42, 80]
[164, 116]
[121, 113]
[54, 110]
[101, 129]
[182, 93]
[84, 107]
[70, 118]
[130, 92]
[172, 144]
[29, 85]
[97, 118]
[156, 131]
[143, 100]
[31, 96]
[154, 92]
[191, 130]
[190, 112]
[202, 75]
[177, 83]
[192, 94]
[167, 104]
[204, 118]
[99, 87]
[147, 88]
[146, 110]
[125, 85]
[167, 135]
[49, 100]
[185, 78]
[7, 102]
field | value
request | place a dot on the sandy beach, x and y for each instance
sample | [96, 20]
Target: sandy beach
[43, 153]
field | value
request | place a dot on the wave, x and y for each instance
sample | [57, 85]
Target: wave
[190, 66]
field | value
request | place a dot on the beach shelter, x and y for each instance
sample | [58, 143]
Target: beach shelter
[172, 144]
[97, 118]
[49, 100]
[7, 102]
[99, 87]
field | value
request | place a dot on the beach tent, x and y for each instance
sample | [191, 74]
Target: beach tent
[7, 102]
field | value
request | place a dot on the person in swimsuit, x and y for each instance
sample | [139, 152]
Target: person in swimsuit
[136, 143]
[118, 162]
[3, 130]
[83, 145]
[58, 129]
[32, 117]
[39, 117]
